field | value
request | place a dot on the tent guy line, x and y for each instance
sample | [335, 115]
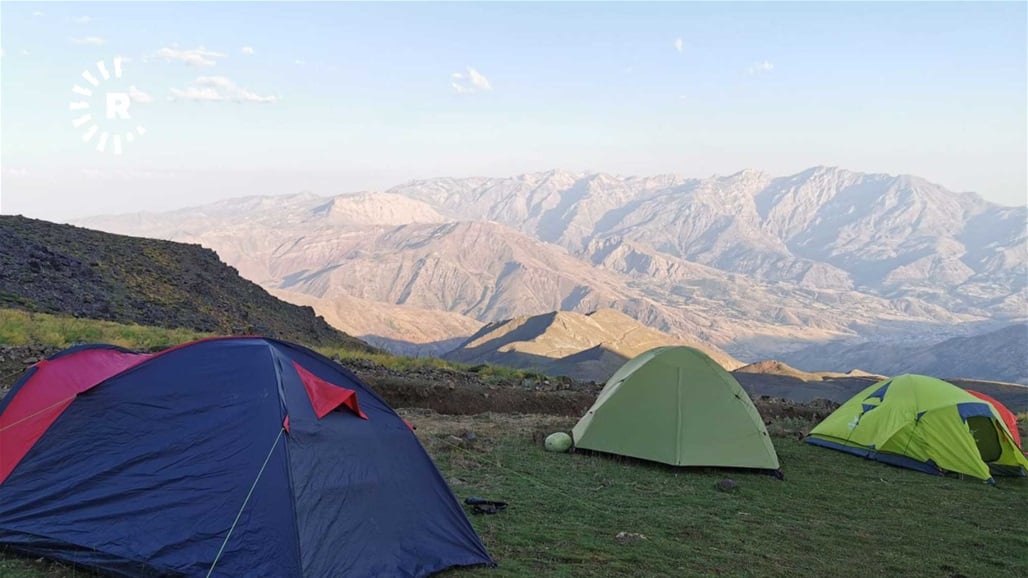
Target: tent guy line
[40, 412]
[245, 502]
[74, 491]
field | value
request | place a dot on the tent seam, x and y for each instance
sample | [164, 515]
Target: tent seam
[277, 364]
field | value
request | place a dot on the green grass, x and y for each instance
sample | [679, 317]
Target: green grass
[17, 567]
[408, 364]
[834, 515]
[24, 328]
[19, 327]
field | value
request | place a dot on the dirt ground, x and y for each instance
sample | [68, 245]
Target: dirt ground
[446, 391]
[450, 392]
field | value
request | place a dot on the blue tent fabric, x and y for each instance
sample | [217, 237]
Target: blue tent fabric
[928, 467]
[147, 473]
[967, 410]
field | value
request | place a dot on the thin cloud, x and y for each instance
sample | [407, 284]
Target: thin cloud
[678, 45]
[198, 56]
[138, 96]
[218, 89]
[196, 94]
[470, 82]
[247, 50]
[83, 20]
[125, 174]
[89, 41]
[300, 62]
[761, 67]
[38, 14]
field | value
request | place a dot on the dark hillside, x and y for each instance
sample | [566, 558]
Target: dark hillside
[51, 268]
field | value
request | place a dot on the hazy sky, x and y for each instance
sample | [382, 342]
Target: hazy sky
[267, 98]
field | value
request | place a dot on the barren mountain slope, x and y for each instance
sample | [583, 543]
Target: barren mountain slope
[1000, 355]
[590, 346]
[398, 328]
[755, 264]
[822, 228]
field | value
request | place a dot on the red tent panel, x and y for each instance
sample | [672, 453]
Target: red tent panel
[33, 409]
[326, 396]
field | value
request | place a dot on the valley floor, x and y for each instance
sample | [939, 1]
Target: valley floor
[833, 515]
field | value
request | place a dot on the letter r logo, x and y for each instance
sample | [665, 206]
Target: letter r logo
[118, 105]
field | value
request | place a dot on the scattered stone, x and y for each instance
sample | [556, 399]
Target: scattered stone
[629, 537]
[539, 437]
[727, 485]
[468, 437]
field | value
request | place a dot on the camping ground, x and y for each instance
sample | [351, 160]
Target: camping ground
[833, 514]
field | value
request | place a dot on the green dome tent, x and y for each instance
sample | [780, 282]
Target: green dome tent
[925, 424]
[677, 406]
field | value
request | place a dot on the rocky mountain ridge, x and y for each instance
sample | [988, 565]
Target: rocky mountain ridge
[758, 265]
[51, 268]
[824, 227]
[583, 346]
[1000, 355]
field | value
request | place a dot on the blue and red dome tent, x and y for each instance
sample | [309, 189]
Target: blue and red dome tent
[221, 457]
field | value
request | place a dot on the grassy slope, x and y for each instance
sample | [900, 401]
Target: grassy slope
[24, 328]
[58, 331]
[835, 515]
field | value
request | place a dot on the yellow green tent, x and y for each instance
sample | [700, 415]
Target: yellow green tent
[677, 406]
[925, 424]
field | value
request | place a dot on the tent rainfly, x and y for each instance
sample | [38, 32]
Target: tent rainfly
[925, 424]
[675, 405]
[223, 457]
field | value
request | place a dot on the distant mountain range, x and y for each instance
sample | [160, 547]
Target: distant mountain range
[759, 266]
[999, 355]
[51, 268]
